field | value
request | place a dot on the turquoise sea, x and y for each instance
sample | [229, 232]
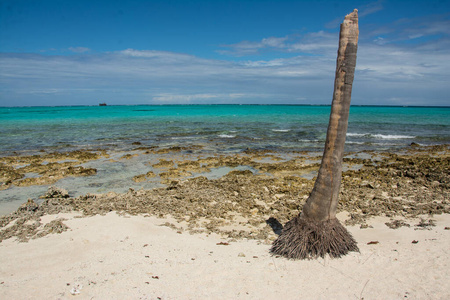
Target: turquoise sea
[227, 128]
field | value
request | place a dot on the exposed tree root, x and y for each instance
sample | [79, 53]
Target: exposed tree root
[306, 239]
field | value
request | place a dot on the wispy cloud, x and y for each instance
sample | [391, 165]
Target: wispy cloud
[172, 98]
[180, 98]
[310, 43]
[249, 48]
[415, 30]
[39, 91]
[370, 8]
[79, 49]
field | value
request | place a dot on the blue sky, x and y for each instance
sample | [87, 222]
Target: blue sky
[58, 52]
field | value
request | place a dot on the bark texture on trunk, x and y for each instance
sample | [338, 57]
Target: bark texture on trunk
[323, 200]
[316, 231]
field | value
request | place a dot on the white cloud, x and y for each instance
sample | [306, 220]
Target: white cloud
[379, 40]
[79, 49]
[140, 53]
[415, 36]
[274, 42]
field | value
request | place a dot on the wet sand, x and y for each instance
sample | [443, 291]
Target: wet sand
[205, 226]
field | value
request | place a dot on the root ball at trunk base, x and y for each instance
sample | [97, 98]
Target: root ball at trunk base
[306, 239]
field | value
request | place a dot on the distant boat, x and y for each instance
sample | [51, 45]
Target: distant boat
[102, 104]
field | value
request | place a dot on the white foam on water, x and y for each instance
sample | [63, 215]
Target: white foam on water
[381, 136]
[356, 134]
[392, 136]
[355, 143]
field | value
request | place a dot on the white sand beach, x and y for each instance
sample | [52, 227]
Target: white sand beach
[117, 257]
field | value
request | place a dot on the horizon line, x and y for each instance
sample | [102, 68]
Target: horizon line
[230, 104]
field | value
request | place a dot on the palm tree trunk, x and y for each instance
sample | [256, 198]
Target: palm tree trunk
[316, 231]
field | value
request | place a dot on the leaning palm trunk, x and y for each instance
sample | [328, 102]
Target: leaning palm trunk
[316, 231]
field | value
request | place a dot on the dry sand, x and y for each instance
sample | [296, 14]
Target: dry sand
[116, 257]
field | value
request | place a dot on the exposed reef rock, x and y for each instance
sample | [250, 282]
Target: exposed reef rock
[246, 203]
[55, 192]
[46, 168]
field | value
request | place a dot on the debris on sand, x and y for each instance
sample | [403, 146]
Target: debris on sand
[397, 224]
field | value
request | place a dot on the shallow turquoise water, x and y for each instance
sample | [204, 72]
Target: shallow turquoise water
[217, 127]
